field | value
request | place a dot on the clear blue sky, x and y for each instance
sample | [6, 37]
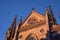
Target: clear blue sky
[10, 8]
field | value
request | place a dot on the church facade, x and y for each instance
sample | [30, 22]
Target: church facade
[35, 27]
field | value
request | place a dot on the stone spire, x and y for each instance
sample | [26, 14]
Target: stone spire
[21, 19]
[20, 22]
[46, 12]
[11, 31]
[53, 21]
[47, 17]
[17, 29]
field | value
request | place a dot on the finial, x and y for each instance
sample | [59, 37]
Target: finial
[20, 19]
[46, 11]
[49, 7]
[15, 16]
[32, 8]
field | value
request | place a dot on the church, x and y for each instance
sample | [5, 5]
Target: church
[35, 27]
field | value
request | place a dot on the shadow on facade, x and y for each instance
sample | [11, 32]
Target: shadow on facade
[52, 36]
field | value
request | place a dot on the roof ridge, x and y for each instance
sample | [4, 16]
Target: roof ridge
[39, 13]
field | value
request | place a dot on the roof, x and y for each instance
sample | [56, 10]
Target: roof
[56, 28]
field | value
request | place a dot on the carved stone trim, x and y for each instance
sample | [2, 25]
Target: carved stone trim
[37, 24]
[31, 36]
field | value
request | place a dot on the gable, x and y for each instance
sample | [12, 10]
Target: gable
[31, 20]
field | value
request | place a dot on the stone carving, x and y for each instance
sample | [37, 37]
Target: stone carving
[31, 37]
[32, 23]
[42, 30]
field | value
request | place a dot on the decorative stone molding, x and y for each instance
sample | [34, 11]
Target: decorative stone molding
[31, 36]
[32, 23]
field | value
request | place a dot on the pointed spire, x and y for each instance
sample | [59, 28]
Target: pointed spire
[46, 11]
[17, 29]
[11, 30]
[52, 16]
[14, 22]
[20, 22]
[13, 27]
[46, 14]
[21, 19]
